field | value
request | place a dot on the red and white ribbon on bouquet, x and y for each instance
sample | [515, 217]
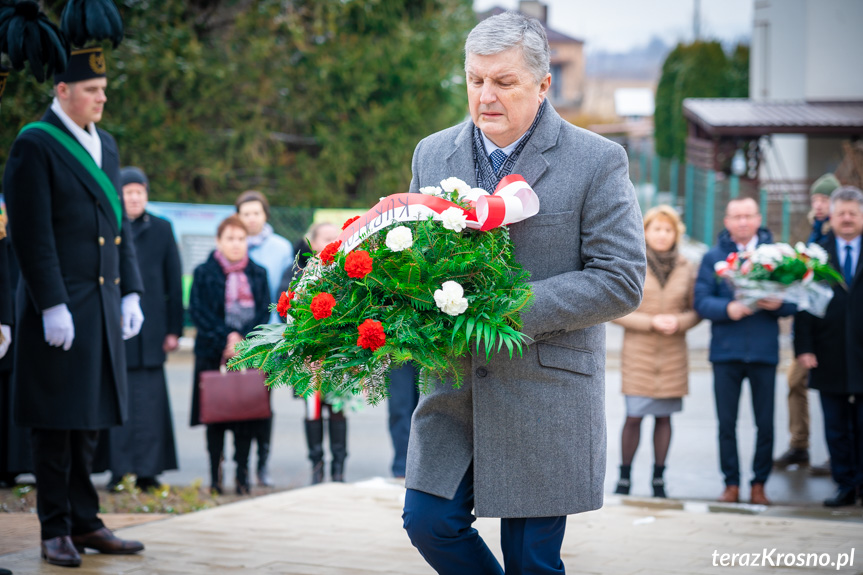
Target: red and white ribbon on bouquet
[513, 200]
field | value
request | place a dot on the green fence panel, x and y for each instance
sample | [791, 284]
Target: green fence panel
[709, 207]
[734, 187]
[688, 204]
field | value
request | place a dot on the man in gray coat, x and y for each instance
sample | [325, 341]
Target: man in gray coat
[524, 438]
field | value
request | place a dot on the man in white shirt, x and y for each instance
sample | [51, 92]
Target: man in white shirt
[832, 348]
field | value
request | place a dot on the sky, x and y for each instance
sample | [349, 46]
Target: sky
[620, 25]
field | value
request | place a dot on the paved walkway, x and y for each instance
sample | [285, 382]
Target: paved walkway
[356, 529]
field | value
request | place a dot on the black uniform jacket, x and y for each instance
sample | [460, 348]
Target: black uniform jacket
[162, 302]
[70, 250]
[837, 338]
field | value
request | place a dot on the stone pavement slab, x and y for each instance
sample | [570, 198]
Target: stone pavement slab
[355, 529]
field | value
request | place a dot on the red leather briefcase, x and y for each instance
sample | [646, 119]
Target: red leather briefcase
[233, 396]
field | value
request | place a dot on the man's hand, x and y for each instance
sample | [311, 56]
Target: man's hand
[58, 326]
[737, 311]
[233, 339]
[769, 303]
[171, 343]
[5, 339]
[807, 360]
[665, 324]
[133, 317]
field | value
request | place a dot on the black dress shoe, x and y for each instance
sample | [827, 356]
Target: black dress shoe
[103, 541]
[792, 457]
[844, 496]
[60, 551]
[147, 483]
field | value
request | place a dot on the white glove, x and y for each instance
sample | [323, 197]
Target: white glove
[6, 336]
[133, 317]
[59, 329]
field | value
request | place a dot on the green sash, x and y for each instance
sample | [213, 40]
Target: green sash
[78, 152]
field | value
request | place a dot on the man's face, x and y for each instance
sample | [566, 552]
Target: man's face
[742, 220]
[846, 218]
[134, 200]
[84, 101]
[253, 215]
[503, 95]
[820, 206]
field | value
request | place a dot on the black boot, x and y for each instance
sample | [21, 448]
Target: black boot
[624, 483]
[338, 447]
[215, 447]
[315, 440]
[263, 439]
[658, 481]
[242, 447]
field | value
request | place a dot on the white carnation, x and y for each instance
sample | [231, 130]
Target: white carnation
[450, 298]
[399, 239]
[455, 185]
[454, 219]
[769, 254]
[431, 190]
[817, 253]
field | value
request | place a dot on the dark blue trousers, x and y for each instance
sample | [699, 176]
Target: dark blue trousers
[843, 429]
[403, 399]
[441, 530]
[727, 384]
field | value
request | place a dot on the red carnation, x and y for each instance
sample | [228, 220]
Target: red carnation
[349, 222]
[329, 253]
[358, 264]
[372, 335]
[285, 303]
[322, 305]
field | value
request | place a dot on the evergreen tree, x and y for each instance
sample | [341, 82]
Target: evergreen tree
[315, 102]
[697, 70]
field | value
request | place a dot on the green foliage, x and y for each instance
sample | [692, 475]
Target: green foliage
[315, 102]
[310, 354]
[697, 70]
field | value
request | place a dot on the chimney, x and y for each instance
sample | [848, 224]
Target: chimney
[534, 9]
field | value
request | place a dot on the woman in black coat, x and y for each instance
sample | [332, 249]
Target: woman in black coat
[145, 445]
[230, 296]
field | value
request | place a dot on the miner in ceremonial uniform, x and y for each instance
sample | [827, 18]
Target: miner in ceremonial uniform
[77, 300]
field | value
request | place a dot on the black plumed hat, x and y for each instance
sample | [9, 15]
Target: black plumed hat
[27, 35]
[85, 21]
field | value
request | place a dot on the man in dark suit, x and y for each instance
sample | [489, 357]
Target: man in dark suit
[832, 348]
[79, 275]
[145, 444]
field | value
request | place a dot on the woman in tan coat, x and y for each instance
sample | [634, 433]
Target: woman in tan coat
[654, 366]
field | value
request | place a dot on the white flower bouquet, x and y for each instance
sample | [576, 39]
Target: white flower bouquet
[798, 275]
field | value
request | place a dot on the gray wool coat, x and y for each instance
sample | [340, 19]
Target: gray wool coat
[534, 426]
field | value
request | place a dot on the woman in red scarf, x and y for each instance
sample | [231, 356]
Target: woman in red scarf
[230, 296]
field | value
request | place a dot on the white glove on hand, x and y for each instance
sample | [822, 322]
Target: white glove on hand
[133, 317]
[59, 329]
[6, 333]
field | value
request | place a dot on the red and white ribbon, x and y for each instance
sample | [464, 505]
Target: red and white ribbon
[513, 200]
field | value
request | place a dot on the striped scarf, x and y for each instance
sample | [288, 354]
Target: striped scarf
[486, 177]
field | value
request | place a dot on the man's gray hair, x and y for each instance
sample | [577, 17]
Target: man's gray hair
[508, 30]
[846, 194]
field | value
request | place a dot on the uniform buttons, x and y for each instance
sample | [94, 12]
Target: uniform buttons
[116, 281]
[481, 372]
[117, 240]
[101, 280]
[101, 241]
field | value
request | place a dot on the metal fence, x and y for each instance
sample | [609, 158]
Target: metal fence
[700, 197]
